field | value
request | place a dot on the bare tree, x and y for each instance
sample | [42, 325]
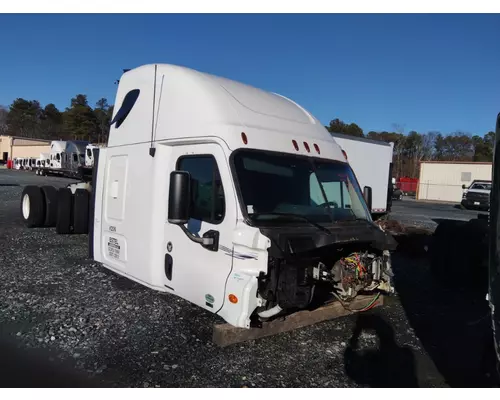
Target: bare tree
[399, 146]
[428, 145]
[398, 128]
[4, 111]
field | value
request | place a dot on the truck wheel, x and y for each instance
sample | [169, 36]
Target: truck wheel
[81, 211]
[33, 206]
[50, 194]
[64, 208]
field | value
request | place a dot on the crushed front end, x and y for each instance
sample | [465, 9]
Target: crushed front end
[309, 271]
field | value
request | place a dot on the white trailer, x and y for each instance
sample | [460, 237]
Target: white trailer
[233, 198]
[371, 161]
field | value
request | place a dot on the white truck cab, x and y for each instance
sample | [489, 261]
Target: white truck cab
[89, 155]
[233, 198]
[18, 163]
[44, 159]
[57, 153]
[66, 158]
[31, 163]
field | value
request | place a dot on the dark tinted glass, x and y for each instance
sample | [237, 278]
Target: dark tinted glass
[207, 202]
[127, 105]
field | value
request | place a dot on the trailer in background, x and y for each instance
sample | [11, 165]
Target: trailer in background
[371, 161]
[67, 158]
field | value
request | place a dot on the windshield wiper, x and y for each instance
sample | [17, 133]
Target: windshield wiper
[295, 216]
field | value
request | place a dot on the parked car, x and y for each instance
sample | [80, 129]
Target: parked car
[477, 195]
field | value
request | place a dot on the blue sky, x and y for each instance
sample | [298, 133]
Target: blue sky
[426, 72]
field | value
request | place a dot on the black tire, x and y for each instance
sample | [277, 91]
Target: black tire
[50, 193]
[64, 211]
[81, 212]
[33, 206]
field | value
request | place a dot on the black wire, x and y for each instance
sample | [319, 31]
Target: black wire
[154, 101]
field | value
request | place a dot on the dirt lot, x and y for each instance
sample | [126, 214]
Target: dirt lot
[67, 321]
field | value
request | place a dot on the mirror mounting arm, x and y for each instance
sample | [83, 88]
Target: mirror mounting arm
[209, 240]
[196, 239]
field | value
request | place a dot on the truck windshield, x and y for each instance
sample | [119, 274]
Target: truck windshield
[277, 186]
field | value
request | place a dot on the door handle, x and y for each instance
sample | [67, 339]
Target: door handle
[169, 264]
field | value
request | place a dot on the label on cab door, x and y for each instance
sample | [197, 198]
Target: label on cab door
[113, 248]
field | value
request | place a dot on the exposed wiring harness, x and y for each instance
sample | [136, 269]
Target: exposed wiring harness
[353, 262]
[369, 306]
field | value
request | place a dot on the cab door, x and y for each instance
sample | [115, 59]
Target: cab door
[192, 271]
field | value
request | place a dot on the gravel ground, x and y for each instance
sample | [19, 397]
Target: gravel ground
[9, 177]
[428, 215]
[67, 321]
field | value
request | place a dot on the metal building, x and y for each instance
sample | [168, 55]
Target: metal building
[22, 147]
[443, 180]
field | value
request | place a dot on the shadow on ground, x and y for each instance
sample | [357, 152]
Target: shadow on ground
[30, 368]
[442, 291]
[389, 365]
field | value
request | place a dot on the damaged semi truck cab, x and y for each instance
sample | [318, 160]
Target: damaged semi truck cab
[233, 198]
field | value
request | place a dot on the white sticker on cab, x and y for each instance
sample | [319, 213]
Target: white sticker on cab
[113, 248]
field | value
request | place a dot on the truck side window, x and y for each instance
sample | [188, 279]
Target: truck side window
[75, 157]
[207, 193]
[127, 104]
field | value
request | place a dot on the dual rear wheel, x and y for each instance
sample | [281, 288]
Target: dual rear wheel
[47, 206]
